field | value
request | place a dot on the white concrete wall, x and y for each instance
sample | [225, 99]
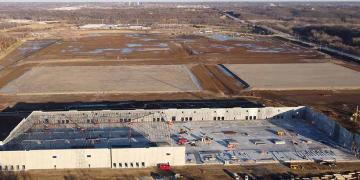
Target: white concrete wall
[202, 114]
[357, 142]
[70, 158]
[55, 159]
[334, 130]
[206, 114]
[90, 158]
[130, 158]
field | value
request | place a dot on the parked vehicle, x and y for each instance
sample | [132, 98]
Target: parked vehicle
[182, 141]
[164, 166]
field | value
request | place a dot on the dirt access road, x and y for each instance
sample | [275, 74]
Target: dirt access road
[266, 171]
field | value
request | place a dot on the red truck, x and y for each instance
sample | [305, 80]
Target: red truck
[164, 166]
[182, 141]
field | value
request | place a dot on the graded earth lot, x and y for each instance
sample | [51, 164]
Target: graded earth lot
[310, 76]
[103, 79]
[199, 40]
[200, 52]
[179, 49]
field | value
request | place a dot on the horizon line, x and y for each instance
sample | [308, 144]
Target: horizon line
[162, 1]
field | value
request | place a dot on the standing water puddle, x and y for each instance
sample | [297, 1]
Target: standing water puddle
[134, 45]
[220, 37]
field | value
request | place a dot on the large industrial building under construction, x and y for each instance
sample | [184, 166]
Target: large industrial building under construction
[147, 137]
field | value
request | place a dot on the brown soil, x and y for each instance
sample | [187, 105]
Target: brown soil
[215, 83]
[180, 51]
[90, 47]
[206, 81]
[267, 171]
[212, 79]
[229, 84]
[229, 132]
[339, 105]
[104, 97]
[13, 73]
[352, 66]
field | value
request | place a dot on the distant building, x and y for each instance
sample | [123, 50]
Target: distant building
[96, 26]
[114, 26]
[137, 27]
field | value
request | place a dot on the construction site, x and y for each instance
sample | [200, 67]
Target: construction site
[106, 65]
[143, 138]
[193, 91]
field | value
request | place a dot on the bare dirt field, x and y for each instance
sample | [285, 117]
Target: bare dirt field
[251, 50]
[200, 53]
[41, 65]
[214, 80]
[310, 76]
[103, 79]
[173, 48]
[111, 46]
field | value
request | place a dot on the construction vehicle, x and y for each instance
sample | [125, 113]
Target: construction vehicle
[170, 123]
[204, 139]
[231, 146]
[182, 141]
[164, 166]
[193, 143]
[234, 158]
[182, 131]
[326, 163]
[207, 138]
[295, 167]
[280, 133]
[231, 143]
[209, 157]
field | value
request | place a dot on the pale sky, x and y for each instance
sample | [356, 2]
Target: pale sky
[173, 0]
